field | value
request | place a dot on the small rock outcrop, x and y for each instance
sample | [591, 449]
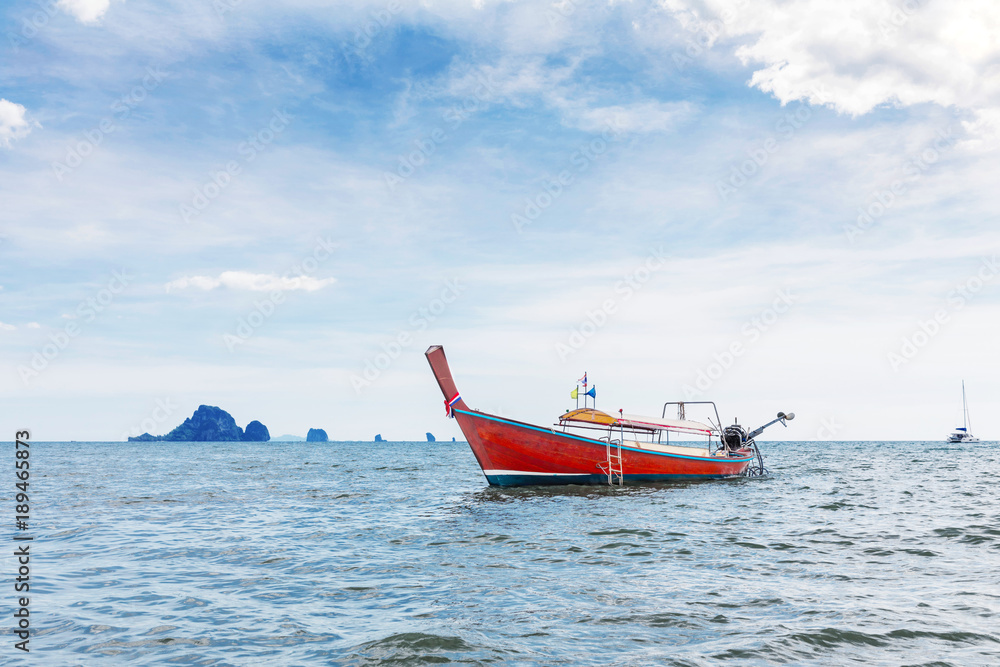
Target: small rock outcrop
[317, 435]
[256, 432]
[378, 437]
[430, 437]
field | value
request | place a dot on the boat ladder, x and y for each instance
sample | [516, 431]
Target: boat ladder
[614, 467]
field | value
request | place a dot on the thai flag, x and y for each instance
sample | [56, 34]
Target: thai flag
[450, 403]
[583, 380]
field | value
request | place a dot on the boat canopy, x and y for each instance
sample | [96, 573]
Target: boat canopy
[588, 415]
[661, 424]
[635, 422]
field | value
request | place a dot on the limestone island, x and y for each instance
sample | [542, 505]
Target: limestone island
[430, 437]
[210, 424]
[317, 435]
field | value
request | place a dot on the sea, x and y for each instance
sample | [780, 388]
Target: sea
[351, 553]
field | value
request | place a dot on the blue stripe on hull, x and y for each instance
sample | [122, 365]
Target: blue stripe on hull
[547, 480]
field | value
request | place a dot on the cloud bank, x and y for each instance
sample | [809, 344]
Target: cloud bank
[253, 282]
[856, 55]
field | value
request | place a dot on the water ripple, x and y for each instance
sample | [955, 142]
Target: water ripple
[363, 554]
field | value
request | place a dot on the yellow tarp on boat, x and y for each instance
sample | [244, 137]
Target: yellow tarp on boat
[588, 415]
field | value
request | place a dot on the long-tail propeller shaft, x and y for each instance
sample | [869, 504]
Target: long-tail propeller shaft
[782, 417]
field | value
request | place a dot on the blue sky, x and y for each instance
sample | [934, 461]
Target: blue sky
[244, 205]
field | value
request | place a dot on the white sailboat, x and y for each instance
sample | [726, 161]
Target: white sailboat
[962, 433]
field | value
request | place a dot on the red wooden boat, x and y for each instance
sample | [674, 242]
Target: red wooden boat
[592, 447]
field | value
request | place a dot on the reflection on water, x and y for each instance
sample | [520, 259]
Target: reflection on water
[359, 554]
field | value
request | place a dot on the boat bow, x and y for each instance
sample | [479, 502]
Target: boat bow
[442, 373]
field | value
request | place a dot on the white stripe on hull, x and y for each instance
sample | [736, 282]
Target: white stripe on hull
[525, 472]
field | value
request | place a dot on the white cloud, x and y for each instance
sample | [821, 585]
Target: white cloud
[6, 327]
[34, 325]
[254, 282]
[13, 124]
[521, 82]
[855, 55]
[86, 11]
[638, 117]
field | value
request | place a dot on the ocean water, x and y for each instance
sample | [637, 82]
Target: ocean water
[399, 553]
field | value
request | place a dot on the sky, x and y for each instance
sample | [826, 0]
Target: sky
[275, 208]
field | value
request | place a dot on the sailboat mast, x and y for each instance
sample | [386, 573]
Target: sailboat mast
[965, 410]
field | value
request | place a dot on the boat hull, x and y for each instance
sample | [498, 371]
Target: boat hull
[514, 453]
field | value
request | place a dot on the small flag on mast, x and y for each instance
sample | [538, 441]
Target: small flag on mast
[593, 392]
[583, 380]
[575, 393]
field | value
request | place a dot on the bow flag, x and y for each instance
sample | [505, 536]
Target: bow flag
[593, 392]
[449, 405]
[583, 380]
[575, 393]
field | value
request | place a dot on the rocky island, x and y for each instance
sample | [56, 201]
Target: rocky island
[210, 424]
[317, 435]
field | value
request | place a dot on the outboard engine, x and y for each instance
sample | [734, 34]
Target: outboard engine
[735, 438]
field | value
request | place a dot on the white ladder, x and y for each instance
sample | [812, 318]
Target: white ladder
[614, 467]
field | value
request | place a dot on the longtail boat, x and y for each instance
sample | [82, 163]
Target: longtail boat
[588, 446]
